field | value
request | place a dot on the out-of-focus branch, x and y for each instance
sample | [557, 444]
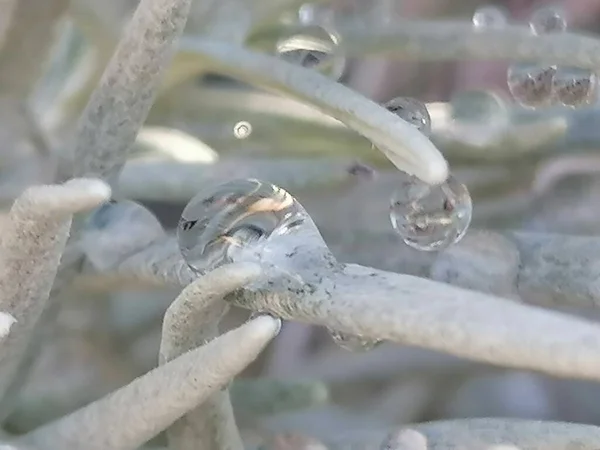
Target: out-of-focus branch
[8, 10]
[179, 182]
[442, 40]
[127, 418]
[31, 245]
[27, 42]
[191, 321]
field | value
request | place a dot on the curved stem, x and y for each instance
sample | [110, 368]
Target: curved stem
[407, 148]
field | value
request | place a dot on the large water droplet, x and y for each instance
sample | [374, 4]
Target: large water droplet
[531, 85]
[490, 17]
[574, 86]
[353, 343]
[412, 111]
[428, 217]
[313, 48]
[233, 221]
[548, 19]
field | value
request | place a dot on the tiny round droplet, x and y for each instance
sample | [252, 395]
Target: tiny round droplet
[575, 87]
[232, 221]
[431, 218]
[531, 85]
[412, 111]
[548, 19]
[242, 130]
[489, 17]
[313, 48]
[351, 342]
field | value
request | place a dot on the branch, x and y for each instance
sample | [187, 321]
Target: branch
[407, 148]
[443, 40]
[178, 182]
[477, 434]
[118, 107]
[31, 246]
[27, 42]
[191, 321]
[404, 439]
[127, 418]
[395, 307]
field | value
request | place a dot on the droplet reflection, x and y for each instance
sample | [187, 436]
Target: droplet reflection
[233, 221]
[430, 218]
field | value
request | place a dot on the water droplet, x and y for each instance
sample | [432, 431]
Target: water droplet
[548, 19]
[232, 221]
[412, 111]
[531, 85]
[428, 217]
[313, 48]
[242, 130]
[490, 17]
[574, 86]
[353, 343]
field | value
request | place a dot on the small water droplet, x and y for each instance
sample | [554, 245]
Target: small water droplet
[574, 86]
[242, 129]
[412, 111]
[232, 221]
[531, 85]
[313, 48]
[430, 218]
[353, 343]
[548, 19]
[490, 17]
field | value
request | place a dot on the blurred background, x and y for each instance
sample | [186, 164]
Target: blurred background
[527, 169]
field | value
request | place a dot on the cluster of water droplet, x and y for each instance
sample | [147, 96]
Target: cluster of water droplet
[427, 217]
[535, 85]
[233, 222]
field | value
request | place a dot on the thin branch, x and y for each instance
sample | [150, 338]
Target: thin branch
[127, 418]
[31, 245]
[191, 321]
[406, 147]
[443, 40]
[118, 107]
